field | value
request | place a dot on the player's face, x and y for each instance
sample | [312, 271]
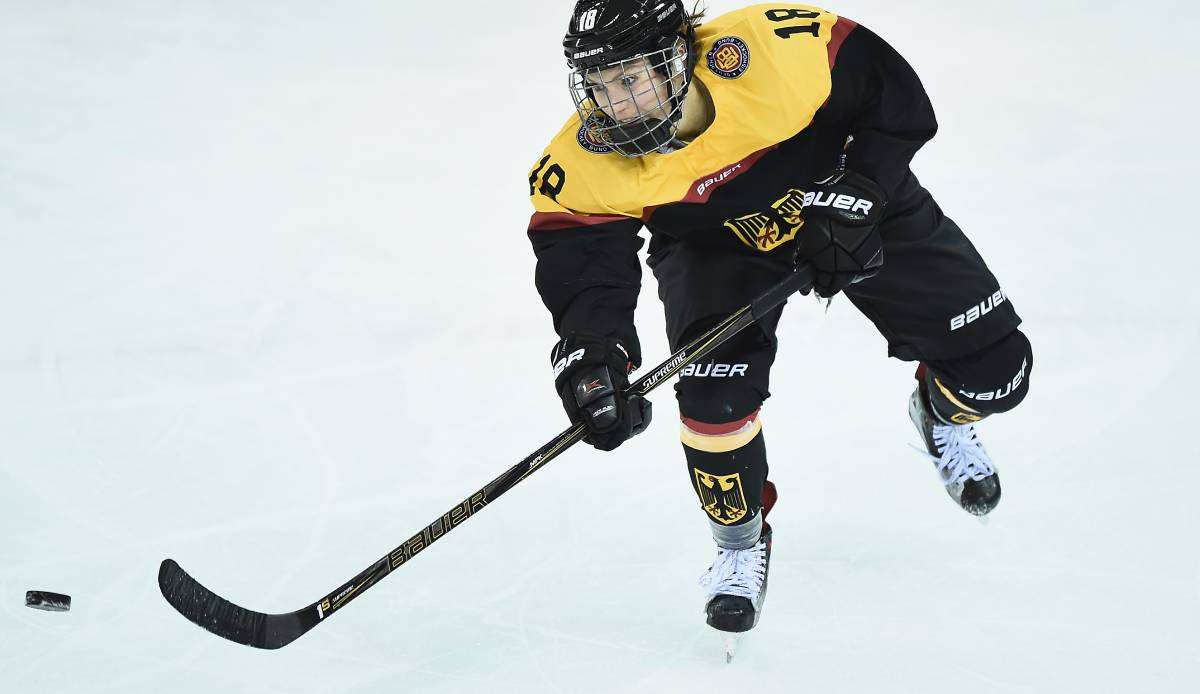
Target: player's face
[632, 90]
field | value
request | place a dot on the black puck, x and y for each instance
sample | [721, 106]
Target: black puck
[45, 600]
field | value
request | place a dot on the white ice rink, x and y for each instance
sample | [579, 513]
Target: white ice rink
[266, 307]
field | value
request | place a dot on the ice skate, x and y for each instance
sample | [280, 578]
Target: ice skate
[735, 586]
[736, 583]
[967, 472]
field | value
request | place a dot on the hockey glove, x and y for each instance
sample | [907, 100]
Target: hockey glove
[840, 236]
[590, 374]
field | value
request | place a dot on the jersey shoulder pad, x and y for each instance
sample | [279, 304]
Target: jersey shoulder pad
[779, 20]
[779, 49]
[577, 173]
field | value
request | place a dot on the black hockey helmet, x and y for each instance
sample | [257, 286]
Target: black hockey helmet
[612, 44]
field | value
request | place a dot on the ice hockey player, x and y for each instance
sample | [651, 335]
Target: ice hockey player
[768, 136]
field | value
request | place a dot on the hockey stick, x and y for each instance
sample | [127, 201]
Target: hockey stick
[229, 621]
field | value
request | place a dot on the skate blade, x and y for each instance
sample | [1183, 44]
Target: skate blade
[731, 643]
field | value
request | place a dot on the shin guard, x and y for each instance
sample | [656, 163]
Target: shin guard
[727, 464]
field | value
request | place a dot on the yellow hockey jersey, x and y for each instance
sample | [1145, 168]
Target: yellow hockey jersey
[791, 85]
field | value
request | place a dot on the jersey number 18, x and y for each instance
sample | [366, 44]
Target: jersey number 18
[784, 14]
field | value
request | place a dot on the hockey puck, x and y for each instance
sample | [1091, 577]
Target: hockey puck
[45, 600]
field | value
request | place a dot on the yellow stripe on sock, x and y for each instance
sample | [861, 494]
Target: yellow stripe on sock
[722, 443]
[951, 398]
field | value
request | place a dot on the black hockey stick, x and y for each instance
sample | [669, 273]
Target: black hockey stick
[225, 619]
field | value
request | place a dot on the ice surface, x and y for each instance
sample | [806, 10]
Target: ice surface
[267, 309]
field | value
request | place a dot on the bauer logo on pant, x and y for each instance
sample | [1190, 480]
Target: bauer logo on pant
[721, 496]
[978, 310]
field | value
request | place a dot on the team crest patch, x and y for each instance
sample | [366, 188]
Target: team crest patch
[721, 496]
[773, 227]
[589, 137]
[729, 57]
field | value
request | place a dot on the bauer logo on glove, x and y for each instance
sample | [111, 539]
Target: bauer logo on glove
[840, 237]
[840, 202]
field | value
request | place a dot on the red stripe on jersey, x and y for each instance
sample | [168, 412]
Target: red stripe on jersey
[554, 221]
[702, 188]
[718, 429]
[841, 29]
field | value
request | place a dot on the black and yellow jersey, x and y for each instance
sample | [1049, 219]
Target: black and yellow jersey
[794, 89]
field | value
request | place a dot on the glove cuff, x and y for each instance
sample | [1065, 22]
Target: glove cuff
[576, 351]
[850, 198]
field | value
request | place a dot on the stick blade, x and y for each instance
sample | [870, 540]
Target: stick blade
[210, 611]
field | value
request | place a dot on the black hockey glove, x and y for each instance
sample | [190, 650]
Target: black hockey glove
[590, 374]
[840, 237]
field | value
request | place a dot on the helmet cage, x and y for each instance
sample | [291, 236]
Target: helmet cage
[651, 128]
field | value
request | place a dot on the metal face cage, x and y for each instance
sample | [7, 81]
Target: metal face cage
[634, 105]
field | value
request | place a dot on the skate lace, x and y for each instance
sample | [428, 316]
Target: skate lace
[737, 572]
[961, 455]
